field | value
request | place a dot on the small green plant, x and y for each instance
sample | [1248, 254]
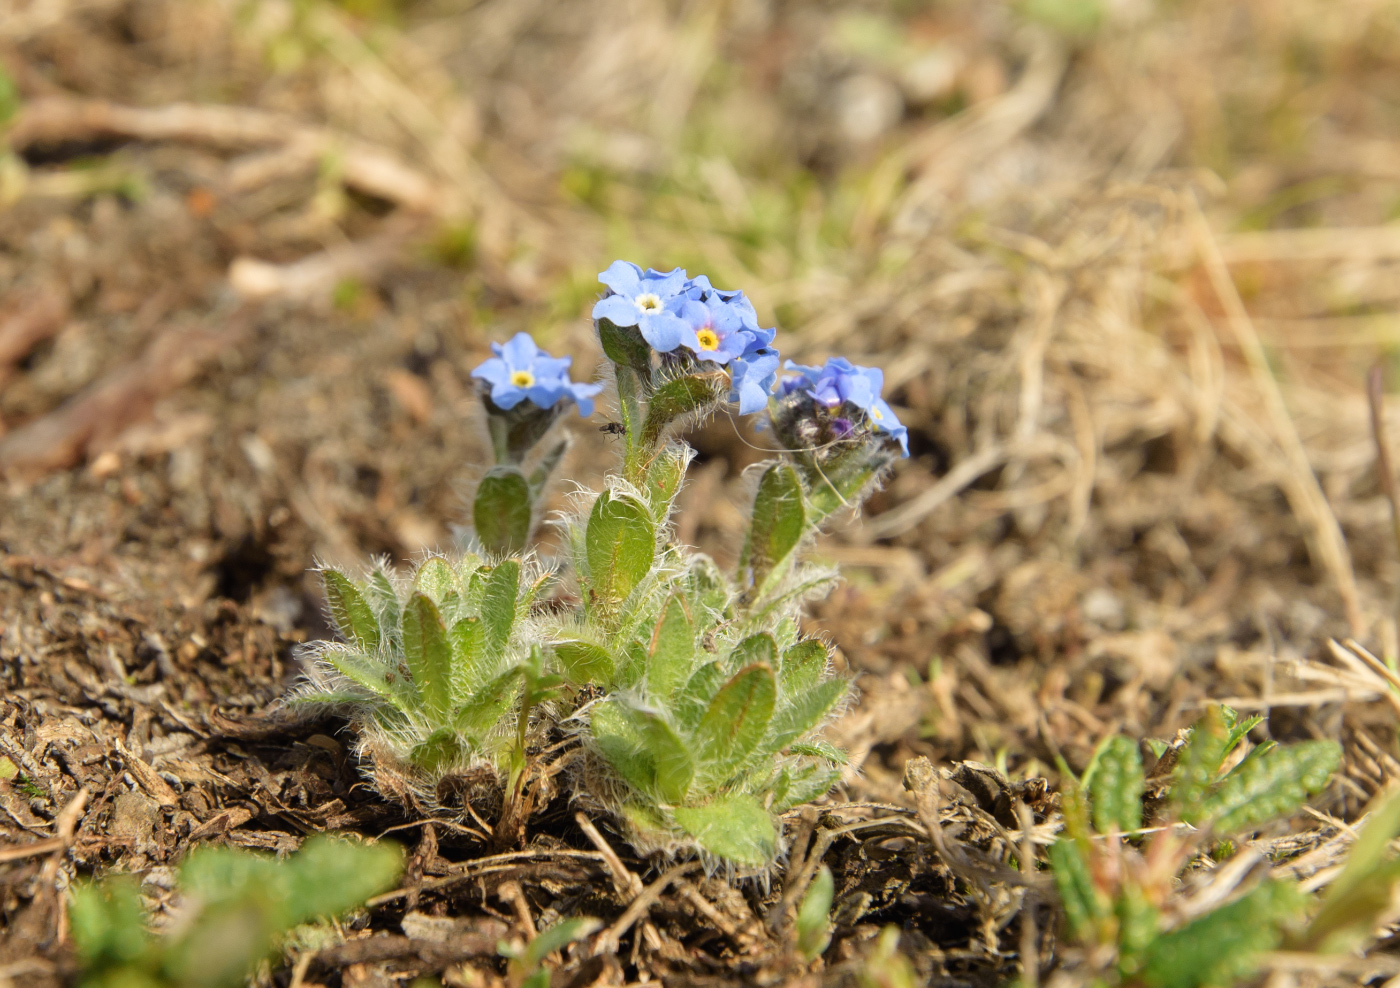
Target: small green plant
[814, 916]
[526, 960]
[693, 691]
[236, 905]
[1114, 893]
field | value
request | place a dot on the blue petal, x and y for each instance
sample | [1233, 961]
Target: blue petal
[665, 332]
[618, 310]
[493, 371]
[507, 396]
[549, 368]
[623, 277]
[583, 397]
[664, 284]
[520, 351]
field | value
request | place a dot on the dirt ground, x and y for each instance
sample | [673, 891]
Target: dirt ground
[1126, 284]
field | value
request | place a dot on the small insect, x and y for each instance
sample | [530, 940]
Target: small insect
[613, 429]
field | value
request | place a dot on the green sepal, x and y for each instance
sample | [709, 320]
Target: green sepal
[736, 720]
[350, 611]
[679, 397]
[625, 346]
[735, 827]
[503, 510]
[665, 474]
[428, 653]
[778, 523]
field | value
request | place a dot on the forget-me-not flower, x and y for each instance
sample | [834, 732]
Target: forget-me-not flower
[716, 330]
[640, 298]
[839, 382]
[521, 371]
[752, 376]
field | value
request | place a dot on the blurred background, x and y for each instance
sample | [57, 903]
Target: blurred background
[1125, 263]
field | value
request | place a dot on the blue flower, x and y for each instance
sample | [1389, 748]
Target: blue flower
[751, 378]
[716, 332]
[521, 371]
[700, 289]
[840, 382]
[640, 298]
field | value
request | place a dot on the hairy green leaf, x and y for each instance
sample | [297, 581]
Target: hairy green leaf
[672, 651]
[1223, 947]
[822, 749]
[694, 699]
[428, 654]
[350, 612]
[1116, 787]
[371, 678]
[108, 922]
[502, 510]
[803, 665]
[813, 922]
[675, 766]
[755, 648]
[736, 720]
[439, 751]
[665, 474]
[585, 661]
[498, 602]
[735, 827]
[468, 640]
[806, 711]
[385, 601]
[435, 580]
[484, 709]
[1198, 765]
[1271, 786]
[620, 545]
[622, 742]
[802, 784]
[1085, 906]
[778, 523]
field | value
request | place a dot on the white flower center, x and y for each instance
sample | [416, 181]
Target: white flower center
[649, 303]
[522, 378]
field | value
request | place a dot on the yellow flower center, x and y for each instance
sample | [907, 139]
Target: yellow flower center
[522, 378]
[708, 339]
[649, 302]
[875, 414]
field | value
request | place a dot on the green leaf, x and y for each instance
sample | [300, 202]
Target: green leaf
[802, 785]
[734, 827]
[1198, 765]
[622, 742]
[369, 677]
[813, 922]
[482, 712]
[665, 474]
[468, 640]
[822, 749]
[559, 935]
[675, 766]
[736, 720]
[435, 580]
[585, 661]
[694, 699]
[428, 654]
[672, 651]
[439, 751]
[1116, 787]
[755, 648]
[386, 602]
[679, 397]
[328, 876]
[1223, 947]
[108, 922]
[779, 522]
[620, 545]
[625, 346]
[805, 712]
[498, 605]
[1138, 922]
[1085, 906]
[502, 510]
[803, 665]
[1271, 786]
[351, 614]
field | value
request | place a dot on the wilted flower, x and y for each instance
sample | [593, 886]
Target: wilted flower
[841, 383]
[521, 371]
[640, 298]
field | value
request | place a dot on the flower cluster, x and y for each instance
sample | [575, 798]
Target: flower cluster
[521, 371]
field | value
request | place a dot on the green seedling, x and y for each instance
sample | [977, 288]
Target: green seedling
[526, 967]
[236, 907]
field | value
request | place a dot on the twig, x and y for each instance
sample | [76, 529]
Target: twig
[488, 865]
[623, 878]
[23, 851]
[1030, 934]
[1299, 483]
[512, 895]
[609, 939]
[1375, 395]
